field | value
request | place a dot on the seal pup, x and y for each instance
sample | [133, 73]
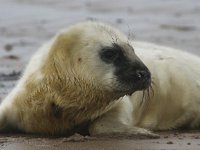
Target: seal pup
[73, 79]
[174, 101]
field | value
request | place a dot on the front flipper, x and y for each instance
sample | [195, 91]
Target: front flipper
[119, 122]
[112, 129]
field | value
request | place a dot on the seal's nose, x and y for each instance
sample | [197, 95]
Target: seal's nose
[143, 78]
[143, 74]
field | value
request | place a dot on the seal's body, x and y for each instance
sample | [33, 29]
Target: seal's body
[72, 80]
[176, 99]
[79, 76]
[173, 103]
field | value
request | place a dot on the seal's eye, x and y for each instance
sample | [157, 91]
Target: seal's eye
[108, 55]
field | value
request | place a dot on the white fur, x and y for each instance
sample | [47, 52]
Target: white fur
[176, 74]
[176, 99]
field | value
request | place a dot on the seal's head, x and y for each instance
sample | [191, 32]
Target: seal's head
[100, 54]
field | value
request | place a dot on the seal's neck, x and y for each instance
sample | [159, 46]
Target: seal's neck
[80, 100]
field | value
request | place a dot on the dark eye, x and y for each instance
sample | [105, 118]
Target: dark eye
[108, 55]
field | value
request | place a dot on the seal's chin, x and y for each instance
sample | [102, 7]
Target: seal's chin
[122, 92]
[145, 84]
[129, 89]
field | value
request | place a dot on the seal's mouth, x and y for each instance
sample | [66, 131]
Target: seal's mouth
[133, 89]
[138, 81]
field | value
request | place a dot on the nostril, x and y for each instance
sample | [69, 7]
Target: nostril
[140, 74]
[143, 74]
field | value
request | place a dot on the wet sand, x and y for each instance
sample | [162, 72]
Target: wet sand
[26, 24]
[173, 140]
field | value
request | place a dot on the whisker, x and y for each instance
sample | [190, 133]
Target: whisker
[130, 33]
[152, 90]
[148, 93]
[143, 97]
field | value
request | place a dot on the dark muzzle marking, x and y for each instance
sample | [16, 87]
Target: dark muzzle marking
[130, 70]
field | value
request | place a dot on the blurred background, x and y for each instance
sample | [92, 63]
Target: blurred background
[26, 24]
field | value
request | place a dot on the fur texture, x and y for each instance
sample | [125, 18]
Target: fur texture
[66, 85]
[175, 100]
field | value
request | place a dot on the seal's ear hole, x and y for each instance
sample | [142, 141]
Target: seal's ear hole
[79, 59]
